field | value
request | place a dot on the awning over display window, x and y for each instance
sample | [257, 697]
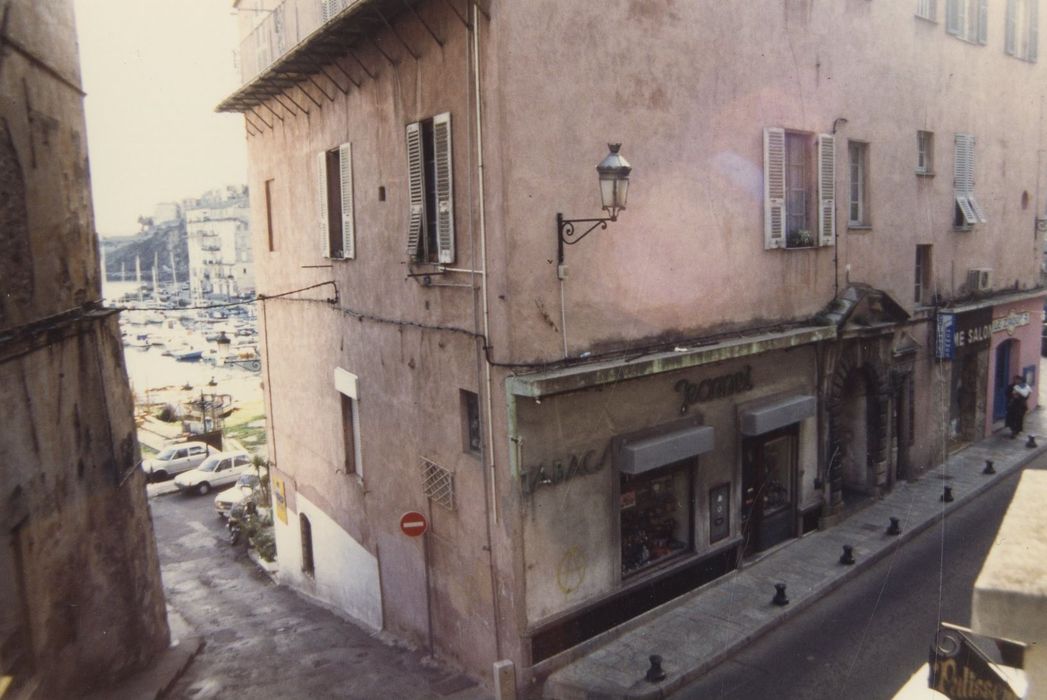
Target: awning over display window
[764, 419]
[650, 453]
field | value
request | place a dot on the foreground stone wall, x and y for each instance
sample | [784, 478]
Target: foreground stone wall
[80, 591]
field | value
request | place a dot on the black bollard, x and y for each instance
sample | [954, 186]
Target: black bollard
[655, 674]
[1031, 442]
[848, 555]
[989, 468]
[895, 527]
[946, 495]
[779, 596]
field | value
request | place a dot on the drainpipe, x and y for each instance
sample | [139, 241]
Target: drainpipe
[486, 455]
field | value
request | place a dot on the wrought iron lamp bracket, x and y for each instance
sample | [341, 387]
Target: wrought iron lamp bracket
[566, 233]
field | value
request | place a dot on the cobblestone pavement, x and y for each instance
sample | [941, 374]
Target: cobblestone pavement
[265, 641]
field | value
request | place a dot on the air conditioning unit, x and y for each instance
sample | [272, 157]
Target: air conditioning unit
[979, 279]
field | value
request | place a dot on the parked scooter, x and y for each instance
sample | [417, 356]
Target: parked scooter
[240, 516]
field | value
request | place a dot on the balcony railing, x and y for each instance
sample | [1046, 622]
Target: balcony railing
[285, 27]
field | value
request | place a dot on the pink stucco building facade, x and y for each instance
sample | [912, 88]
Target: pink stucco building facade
[748, 353]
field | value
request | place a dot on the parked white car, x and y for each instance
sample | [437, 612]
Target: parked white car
[217, 470]
[175, 459]
[244, 488]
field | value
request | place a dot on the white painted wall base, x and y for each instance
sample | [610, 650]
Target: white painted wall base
[346, 574]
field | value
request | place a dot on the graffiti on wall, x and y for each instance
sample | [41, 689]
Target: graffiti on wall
[570, 573]
[560, 470]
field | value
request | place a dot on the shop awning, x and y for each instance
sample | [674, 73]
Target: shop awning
[764, 419]
[651, 453]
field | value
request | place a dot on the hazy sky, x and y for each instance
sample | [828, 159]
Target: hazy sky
[153, 71]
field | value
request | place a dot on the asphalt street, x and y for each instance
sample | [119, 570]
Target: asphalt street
[867, 639]
[262, 640]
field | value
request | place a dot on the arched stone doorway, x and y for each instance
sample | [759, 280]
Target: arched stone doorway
[858, 410]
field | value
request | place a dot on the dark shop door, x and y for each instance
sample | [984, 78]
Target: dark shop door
[768, 488]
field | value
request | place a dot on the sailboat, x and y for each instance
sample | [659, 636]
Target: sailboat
[138, 276]
[156, 288]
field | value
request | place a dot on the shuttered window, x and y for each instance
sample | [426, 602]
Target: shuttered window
[1021, 37]
[968, 210]
[858, 210]
[334, 188]
[826, 189]
[430, 216]
[967, 19]
[927, 9]
[799, 180]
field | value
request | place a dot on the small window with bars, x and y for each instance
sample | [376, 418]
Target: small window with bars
[438, 484]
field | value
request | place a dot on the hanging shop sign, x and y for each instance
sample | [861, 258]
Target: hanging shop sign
[714, 387]
[961, 333]
[561, 470]
[1011, 322]
[960, 671]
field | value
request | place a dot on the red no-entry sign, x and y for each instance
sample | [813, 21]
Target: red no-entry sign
[413, 523]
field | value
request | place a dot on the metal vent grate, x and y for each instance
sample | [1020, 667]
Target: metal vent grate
[438, 484]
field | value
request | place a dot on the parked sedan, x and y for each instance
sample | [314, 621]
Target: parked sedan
[175, 459]
[217, 470]
[243, 489]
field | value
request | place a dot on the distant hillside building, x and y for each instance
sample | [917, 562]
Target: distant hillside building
[81, 601]
[166, 212]
[221, 264]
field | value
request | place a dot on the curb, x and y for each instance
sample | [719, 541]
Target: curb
[556, 691]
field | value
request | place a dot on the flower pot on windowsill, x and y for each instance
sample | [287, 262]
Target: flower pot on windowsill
[801, 238]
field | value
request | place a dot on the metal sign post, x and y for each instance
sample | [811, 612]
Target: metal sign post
[415, 524]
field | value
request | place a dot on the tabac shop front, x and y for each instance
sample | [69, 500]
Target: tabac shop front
[637, 482]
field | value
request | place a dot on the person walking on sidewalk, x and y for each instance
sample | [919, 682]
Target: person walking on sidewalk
[1017, 398]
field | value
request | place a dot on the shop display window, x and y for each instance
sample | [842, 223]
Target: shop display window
[656, 510]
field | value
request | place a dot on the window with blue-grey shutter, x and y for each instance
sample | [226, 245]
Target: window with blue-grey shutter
[1021, 36]
[967, 19]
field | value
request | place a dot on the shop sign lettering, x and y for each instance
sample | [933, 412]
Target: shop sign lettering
[1010, 322]
[963, 333]
[561, 470]
[714, 387]
[960, 671]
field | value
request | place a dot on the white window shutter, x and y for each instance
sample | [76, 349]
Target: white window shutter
[826, 189]
[345, 173]
[444, 187]
[962, 170]
[965, 207]
[1034, 29]
[983, 21]
[976, 209]
[1010, 32]
[952, 17]
[321, 202]
[416, 189]
[773, 188]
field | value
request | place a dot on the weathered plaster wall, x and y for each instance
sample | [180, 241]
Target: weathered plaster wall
[90, 567]
[688, 88]
[576, 520]
[75, 528]
[46, 208]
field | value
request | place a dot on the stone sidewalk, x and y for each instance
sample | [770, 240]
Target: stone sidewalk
[699, 630]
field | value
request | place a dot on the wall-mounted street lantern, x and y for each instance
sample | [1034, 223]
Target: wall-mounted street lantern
[614, 187]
